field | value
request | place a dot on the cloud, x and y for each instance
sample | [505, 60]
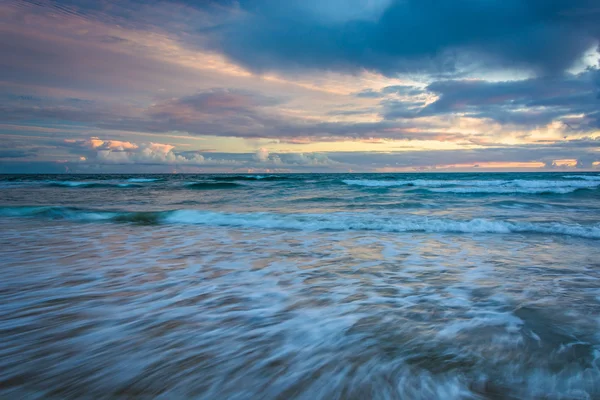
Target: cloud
[123, 152]
[101, 151]
[409, 35]
[142, 84]
[529, 102]
[91, 155]
[17, 153]
[261, 155]
[545, 154]
[217, 112]
[310, 159]
[217, 100]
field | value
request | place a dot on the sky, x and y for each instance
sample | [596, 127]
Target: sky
[162, 86]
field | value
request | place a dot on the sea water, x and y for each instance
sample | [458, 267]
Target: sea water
[304, 286]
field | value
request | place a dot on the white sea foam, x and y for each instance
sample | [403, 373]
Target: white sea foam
[347, 222]
[552, 184]
[313, 222]
[69, 183]
[484, 186]
[505, 190]
[421, 183]
[89, 184]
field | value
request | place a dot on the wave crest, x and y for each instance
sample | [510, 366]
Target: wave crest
[89, 185]
[228, 178]
[143, 180]
[485, 186]
[347, 222]
[310, 222]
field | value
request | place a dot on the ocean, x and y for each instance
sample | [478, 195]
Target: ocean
[301, 286]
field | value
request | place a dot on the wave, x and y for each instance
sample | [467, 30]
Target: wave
[310, 222]
[143, 180]
[250, 178]
[89, 185]
[505, 190]
[517, 186]
[213, 185]
[347, 222]
[70, 213]
[586, 177]
[553, 184]
[418, 182]
[520, 183]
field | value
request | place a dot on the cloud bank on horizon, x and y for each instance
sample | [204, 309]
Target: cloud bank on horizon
[299, 86]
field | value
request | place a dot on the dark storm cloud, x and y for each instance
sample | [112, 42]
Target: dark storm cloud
[528, 102]
[398, 36]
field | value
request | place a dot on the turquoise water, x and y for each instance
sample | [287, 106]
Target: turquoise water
[416, 286]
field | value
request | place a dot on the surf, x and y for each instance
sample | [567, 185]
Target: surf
[342, 221]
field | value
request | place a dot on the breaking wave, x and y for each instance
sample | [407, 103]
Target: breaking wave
[522, 183]
[485, 186]
[310, 222]
[506, 190]
[418, 182]
[227, 178]
[143, 180]
[89, 185]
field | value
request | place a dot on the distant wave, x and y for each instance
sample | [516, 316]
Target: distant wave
[310, 222]
[212, 185]
[478, 183]
[489, 186]
[143, 180]
[506, 190]
[88, 185]
[250, 178]
[586, 177]
[419, 182]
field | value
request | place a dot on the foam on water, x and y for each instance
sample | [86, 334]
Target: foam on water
[227, 313]
[89, 185]
[312, 222]
[307, 287]
[420, 182]
[346, 222]
[508, 190]
[516, 183]
[249, 177]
